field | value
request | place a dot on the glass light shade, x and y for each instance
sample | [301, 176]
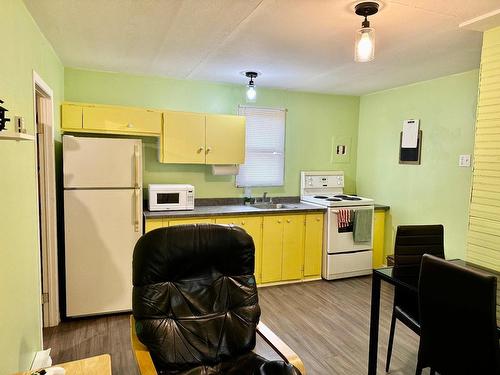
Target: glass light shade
[251, 93]
[364, 48]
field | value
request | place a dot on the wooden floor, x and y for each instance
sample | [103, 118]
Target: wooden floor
[326, 323]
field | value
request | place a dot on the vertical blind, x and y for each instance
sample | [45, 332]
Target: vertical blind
[483, 240]
[265, 147]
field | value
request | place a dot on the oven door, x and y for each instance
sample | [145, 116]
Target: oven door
[342, 241]
[167, 200]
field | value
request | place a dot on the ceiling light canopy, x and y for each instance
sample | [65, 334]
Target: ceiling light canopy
[251, 90]
[364, 48]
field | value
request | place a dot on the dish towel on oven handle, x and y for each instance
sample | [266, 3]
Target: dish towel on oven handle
[362, 230]
[343, 218]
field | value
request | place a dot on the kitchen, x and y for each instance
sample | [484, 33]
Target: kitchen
[365, 119]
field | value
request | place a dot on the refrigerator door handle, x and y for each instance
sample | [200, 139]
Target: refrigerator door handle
[137, 220]
[137, 171]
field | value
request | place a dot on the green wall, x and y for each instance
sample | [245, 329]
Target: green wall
[312, 121]
[24, 49]
[437, 191]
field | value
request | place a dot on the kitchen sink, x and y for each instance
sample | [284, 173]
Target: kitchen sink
[270, 206]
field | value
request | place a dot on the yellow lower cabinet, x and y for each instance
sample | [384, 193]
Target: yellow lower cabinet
[313, 245]
[253, 226]
[151, 224]
[272, 248]
[378, 238]
[198, 220]
[293, 247]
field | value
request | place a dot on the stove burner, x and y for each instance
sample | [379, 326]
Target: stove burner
[351, 198]
[320, 196]
[334, 199]
[343, 196]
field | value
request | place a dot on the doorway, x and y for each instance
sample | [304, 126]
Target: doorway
[45, 166]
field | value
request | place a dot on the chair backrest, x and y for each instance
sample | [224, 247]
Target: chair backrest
[413, 241]
[194, 297]
[458, 319]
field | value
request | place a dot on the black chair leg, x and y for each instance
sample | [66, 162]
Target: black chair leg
[433, 372]
[391, 341]
[418, 371]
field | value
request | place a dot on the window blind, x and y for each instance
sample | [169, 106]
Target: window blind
[265, 147]
[483, 241]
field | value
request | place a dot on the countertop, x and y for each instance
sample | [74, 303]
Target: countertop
[232, 210]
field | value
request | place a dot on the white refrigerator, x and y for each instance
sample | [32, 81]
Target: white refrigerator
[102, 222]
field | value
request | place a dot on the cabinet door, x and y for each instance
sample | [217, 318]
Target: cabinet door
[183, 138]
[378, 239]
[272, 248]
[293, 247]
[122, 120]
[71, 117]
[313, 245]
[152, 224]
[199, 220]
[225, 139]
[253, 226]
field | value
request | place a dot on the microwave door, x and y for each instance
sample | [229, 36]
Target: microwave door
[168, 198]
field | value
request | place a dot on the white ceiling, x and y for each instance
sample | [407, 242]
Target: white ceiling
[297, 44]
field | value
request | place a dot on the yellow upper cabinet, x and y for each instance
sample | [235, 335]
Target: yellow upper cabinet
[225, 139]
[183, 138]
[72, 117]
[89, 118]
[121, 120]
[193, 138]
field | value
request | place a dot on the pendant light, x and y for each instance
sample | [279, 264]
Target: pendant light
[251, 91]
[364, 48]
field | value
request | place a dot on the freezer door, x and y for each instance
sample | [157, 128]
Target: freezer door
[100, 235]
[102, 162]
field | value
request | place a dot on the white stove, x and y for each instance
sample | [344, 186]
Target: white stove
[337, 200]
[345, 253]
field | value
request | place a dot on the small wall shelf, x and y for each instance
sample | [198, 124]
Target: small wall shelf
[16, 136]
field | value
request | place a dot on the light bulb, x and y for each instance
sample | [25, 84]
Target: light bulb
[365, 45]
[251, 93]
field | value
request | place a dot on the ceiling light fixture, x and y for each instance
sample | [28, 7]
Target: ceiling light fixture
[251, 91]
[364, 48]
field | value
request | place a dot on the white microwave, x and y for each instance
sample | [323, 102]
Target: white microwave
[171, 197]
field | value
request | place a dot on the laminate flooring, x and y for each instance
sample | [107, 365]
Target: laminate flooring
[325, 322]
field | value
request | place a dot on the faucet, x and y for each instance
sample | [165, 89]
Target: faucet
[264, 197]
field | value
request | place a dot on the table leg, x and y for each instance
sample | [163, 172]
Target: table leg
[374, 323]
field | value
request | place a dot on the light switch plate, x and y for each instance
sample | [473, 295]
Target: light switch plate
[464, 161]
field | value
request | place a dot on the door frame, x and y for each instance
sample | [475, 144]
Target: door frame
[46, 197]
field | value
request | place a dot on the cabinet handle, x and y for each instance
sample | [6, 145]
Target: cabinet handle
[200, 149]
[288, 220]
[279, 221]
[209, 149]
[242, 223]
[318, 219]
[130, 125]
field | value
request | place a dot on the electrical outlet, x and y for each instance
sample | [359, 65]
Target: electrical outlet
[464, 161]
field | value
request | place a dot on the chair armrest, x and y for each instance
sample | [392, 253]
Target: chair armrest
[141, 352]
[280, 347]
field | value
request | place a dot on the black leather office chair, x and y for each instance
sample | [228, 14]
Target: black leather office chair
[195, 305]
[458, 332]
[412, 242]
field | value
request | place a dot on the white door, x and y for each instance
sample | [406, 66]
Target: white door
[101, 162]
[339, 242]
[100, 235]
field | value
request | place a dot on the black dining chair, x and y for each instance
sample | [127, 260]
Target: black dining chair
[412, 242]
[458, 329]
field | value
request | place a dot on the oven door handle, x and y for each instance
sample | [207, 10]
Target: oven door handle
[335, 211]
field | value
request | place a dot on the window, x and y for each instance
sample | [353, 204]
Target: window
[265, 147]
